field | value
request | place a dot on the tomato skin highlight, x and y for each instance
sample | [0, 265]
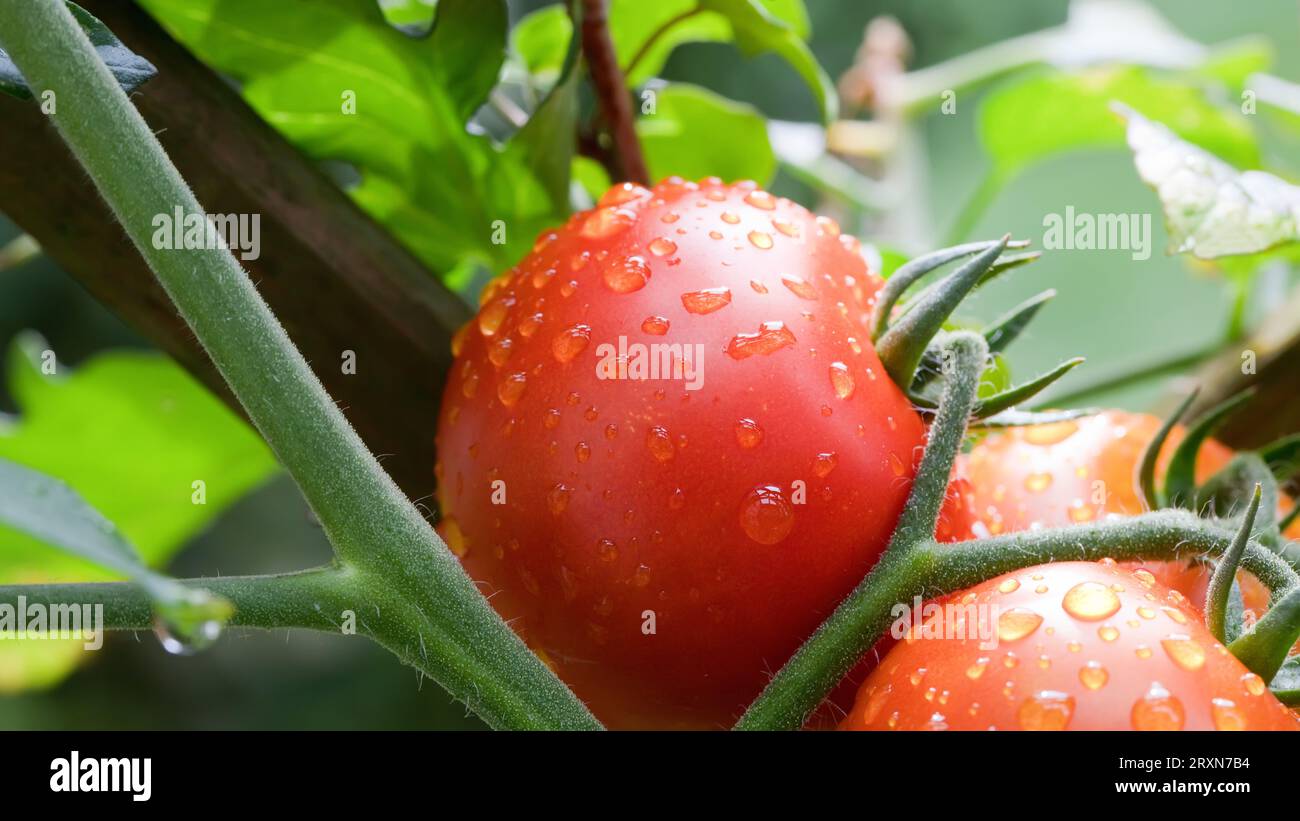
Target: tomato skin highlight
[1080, 646]
[647, 539]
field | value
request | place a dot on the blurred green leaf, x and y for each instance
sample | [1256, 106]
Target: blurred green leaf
[130, 69]
[695, 133]
[1048, 112]
[340, 82]
[414, 15]
[131, 433]
[540, 42]
[47, 509]
[468, 42]
[546, 141]
[645, 34]
[1233, 62]
[1211, 209]
[591, 176]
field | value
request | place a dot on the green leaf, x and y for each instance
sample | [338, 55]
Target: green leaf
[1043, 113]
[468, 42]
[591, 176]
[695, 133]
[645, 34]
[546, 140]
[341, 83]
[130, 69]
[130, 433]
[1233, 62]
[758, 30]
[1211, 209]
[540, 43]
[47, 509]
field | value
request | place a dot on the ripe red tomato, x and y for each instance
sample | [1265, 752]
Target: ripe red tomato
[1079, 471]
[1079, 646]
[667, 544]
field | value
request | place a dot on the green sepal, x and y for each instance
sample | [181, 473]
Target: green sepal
[1223, 494]
[1225, 573]
[1286, 684]
[909, 273]
[1003, 331]
[903, 345]
[1146, 470]
[1264, 648]
[1283, 457]
[1180, 478]
[1017, 418]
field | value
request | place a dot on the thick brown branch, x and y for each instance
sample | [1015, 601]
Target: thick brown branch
[611, 89]
[337, 280]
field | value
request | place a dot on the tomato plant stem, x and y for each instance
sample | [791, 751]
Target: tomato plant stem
[313, 599]
[434, 612]
[611, 89]
[840, 641]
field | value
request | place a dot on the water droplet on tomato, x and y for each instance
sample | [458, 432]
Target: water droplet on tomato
[623, 192]
[626, 274]
[786, 227]
[452, 534]
[1051, 433]
[1184, 652]
[570, 342]
[606, 222]
[841, 380]
[659, 444]
[491, 317]
[662, 246]
[761, 199]
[799, 287]
[760, 240]
[557, 499]
[707, 300]
[1017, 623]
[1093, 676]
[655, 325]
[1046, 710]
[772, 337]
[499, 350]
[766, 515]
[1038, 482]
[749, 434]
[511, 388]
[824, 463]
[1090, 601]
[1226, 715]
[1157, 710]
[1254, 684]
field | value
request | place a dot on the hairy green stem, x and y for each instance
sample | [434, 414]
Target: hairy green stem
[840, 641]
[470, 651]
[1220, 589]
[933, 569]
[312, 599]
